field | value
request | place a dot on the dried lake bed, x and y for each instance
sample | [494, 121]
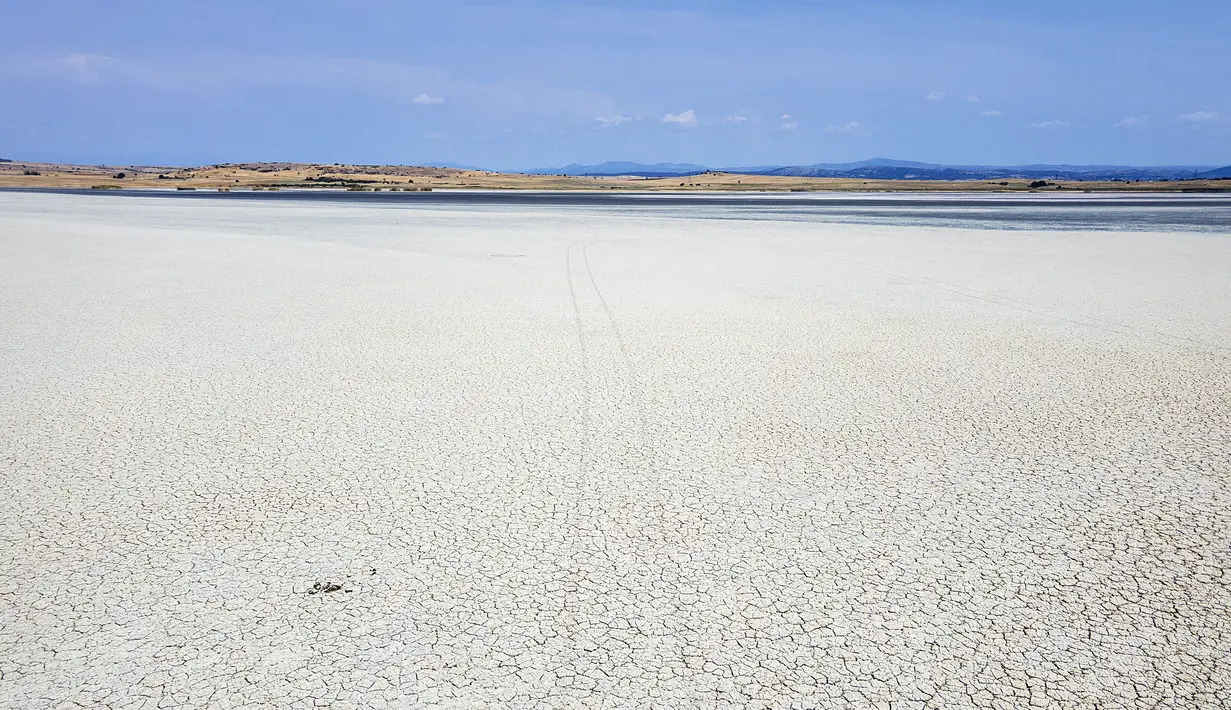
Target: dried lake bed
[423, 450]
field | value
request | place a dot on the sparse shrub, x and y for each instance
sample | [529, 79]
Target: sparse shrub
[104, 187]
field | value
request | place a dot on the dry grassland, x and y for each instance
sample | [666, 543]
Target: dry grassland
[256, 176]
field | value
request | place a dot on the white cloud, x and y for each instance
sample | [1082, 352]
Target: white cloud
[789, 123]
[686, 118]
[617, 120]
[971, 98]
[1133, 122]
[426, 100]
[1050, 124]
[989, 112]
[735, 119]
[935, 96]
[1201, 116]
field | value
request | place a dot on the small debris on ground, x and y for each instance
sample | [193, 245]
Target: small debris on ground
[324, 587]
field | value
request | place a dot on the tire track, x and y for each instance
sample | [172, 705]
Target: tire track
[614, 420]
[584, 357]
[635, 388]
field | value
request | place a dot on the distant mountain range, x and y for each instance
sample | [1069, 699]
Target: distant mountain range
[886, 169]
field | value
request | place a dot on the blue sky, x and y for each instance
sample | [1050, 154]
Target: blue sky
[541, 83]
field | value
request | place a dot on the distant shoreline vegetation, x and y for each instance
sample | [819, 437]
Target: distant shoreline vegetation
[869, 176]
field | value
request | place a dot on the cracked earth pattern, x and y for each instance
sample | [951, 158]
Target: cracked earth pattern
[275, 455]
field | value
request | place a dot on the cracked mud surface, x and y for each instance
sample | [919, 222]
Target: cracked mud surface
[647, 463]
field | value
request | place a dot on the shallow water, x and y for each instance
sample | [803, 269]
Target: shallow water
[1118, 212]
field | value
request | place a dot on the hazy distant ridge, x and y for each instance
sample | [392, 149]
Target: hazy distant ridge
[1224, 172]
[888, 169]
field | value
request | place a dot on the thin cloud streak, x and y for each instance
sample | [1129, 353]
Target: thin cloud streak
[849, 127]
[398, 82]
[612, 121]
